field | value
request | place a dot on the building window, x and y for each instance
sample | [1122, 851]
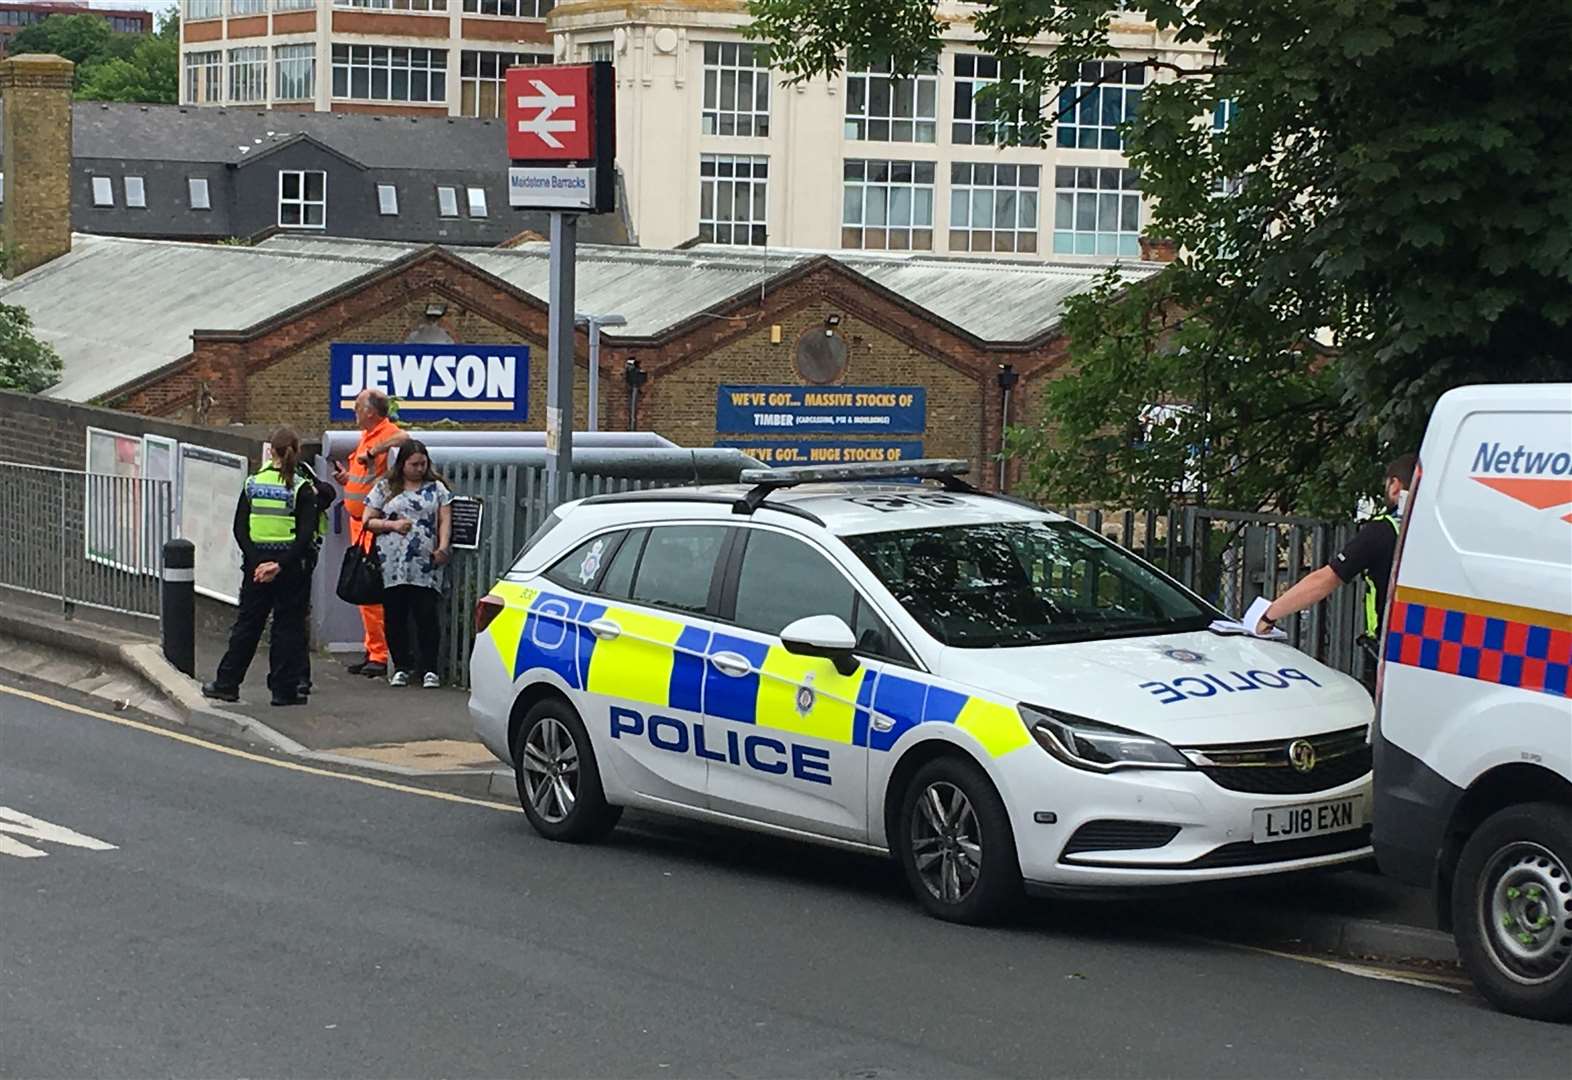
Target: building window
[103, 191]
[993, 207]
[598, 51]
[204, 9]
[248, 7]
[387, 200]
[204, 78]
[974, 120]
[517, 9]
[395, 5]
[247, 74]
[288, 5]
[386, 73]
[294, 72]
[1090, 115]
[736, 90]
[302, 199]
[884, 107]
[196, 192]
[733, 199]
[482, 76]
[136, 192]
[888, 205]
[477, 202]
[447, 201]
[1096, 211]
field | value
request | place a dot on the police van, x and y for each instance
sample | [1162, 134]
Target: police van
[991, 693]
[1474, 739]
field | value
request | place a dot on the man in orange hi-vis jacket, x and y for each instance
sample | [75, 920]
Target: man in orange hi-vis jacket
[378, 435]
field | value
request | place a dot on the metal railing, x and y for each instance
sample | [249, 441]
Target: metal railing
[1231, 557]
[83, 538]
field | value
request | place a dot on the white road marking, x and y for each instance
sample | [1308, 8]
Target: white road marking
[17, 823]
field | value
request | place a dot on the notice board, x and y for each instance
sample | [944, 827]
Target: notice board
[210, 483]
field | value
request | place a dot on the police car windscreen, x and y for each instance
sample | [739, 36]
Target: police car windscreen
[1011, 584]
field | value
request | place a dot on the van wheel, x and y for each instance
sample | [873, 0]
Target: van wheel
[955, 844]
[1512, 907]
[558, 780]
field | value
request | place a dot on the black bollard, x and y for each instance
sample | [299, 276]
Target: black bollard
[177, 621]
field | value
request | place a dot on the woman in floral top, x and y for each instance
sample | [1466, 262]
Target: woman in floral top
[409, 513]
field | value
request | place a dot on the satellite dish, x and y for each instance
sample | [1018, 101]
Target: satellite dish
[821, 355]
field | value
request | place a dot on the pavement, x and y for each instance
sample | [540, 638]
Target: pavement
[424, 737]
[195, 909]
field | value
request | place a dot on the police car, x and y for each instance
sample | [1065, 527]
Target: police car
[991, 693]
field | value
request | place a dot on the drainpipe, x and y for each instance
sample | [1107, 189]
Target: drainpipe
[635, 377]
[1008, 377]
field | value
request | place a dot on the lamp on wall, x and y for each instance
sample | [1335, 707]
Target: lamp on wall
[436, 309]
[635, 376]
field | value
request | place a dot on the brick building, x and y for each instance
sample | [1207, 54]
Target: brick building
[856, 354]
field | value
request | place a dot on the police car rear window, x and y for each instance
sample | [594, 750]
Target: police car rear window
[1010, 584]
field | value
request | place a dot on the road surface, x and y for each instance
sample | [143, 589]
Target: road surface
[201, 911]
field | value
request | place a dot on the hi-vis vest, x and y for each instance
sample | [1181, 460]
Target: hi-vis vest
[272, 520]
[1372, 616]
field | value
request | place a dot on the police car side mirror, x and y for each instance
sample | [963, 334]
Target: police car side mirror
[824, 636]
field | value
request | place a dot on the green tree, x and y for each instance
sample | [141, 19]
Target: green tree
[110, 66]
[1395, 220]
[26, 363]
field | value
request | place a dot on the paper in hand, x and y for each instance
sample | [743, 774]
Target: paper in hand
[1246, 626]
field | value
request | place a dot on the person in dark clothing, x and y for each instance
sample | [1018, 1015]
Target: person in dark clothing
[275, 526]
[1368, 555]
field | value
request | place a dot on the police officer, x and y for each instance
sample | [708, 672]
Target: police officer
[275, 523]
[1368, 555]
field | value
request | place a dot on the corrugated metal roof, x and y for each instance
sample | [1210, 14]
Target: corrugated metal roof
[119, 309]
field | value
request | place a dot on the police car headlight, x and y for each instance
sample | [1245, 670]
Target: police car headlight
[1087, 744]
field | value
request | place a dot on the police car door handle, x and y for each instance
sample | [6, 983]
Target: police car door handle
[882, 723]
[730, 663]
[605, 629]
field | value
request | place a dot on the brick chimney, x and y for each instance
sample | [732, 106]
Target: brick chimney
[36, 93]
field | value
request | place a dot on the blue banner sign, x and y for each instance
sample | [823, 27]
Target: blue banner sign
[475, 384]
[826, 452]
[821, 410]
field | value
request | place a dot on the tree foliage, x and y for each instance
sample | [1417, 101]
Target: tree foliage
[1397, 220]
[110, 66]
[26, 364]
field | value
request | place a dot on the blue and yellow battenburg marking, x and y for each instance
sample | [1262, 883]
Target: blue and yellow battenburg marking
[660, 661]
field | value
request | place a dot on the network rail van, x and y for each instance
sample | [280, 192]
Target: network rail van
[991, 694]
[1473, 746]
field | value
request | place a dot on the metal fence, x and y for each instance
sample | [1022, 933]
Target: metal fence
[84, 539]
[1230, 558]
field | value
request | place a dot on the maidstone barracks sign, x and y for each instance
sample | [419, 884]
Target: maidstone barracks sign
[476, 384]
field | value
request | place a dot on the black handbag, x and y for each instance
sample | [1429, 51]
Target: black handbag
[360, 578]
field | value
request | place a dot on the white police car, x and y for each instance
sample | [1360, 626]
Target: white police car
[990, 692]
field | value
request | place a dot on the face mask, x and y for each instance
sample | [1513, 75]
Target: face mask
[1402, 504]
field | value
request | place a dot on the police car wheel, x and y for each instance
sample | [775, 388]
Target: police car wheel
[955, 844]
[1512, 909]
[558, 779]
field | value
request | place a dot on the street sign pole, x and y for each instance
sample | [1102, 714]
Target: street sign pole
[592, 422]
[559, 353]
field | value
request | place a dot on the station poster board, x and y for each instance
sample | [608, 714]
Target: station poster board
[210, 483]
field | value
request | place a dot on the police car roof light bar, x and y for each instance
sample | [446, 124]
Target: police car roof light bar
[946, 470]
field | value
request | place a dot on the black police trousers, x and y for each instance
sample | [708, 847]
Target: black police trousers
[287, 598]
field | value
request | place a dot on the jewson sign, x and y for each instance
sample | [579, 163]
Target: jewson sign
[474, 384]
[821, 410]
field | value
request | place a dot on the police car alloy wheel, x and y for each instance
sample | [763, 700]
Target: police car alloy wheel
[1512, 910]
[955, 843]
[558, 780]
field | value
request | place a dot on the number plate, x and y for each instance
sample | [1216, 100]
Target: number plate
[1308, 819]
